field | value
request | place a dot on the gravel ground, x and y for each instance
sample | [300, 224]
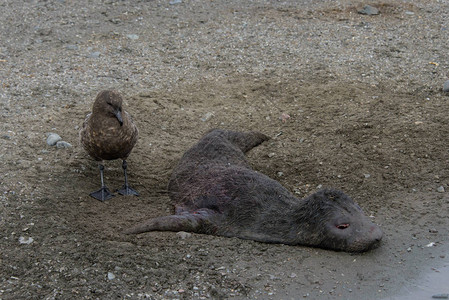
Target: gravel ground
[351, 101]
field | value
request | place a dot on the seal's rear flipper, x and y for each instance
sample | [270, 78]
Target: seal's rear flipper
[199, 221]
[245, 141]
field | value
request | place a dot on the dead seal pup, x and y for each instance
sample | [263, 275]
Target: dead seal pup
[109, 133]
[215, 191]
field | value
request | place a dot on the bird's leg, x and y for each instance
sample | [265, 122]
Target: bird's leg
[103, 193]
[126, 189]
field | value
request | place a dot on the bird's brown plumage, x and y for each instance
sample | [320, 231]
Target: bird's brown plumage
[103, 135]
[109, 133]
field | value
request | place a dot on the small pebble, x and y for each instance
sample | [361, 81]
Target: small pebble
[440, 189]
[284, 117]
[441, 296]
[175, 2]
[369, 10]
[95, 54]
[26, 241]
[446, 86]
[132, 36]
[183, 235]
[6, 137]
[53, 138]
[63, 144]
[367, 176]
[111, 275]
[207, 116]
[71, 47]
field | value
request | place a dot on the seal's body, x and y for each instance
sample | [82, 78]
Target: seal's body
[215, 191]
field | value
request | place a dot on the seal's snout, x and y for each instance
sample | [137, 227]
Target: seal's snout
[376, 236]
[376, 232]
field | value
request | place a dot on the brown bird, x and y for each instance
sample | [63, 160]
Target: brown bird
[109, 133]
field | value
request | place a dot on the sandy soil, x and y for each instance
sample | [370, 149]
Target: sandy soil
[366, 115]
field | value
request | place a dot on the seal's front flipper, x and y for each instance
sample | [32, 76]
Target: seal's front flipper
[200, 221]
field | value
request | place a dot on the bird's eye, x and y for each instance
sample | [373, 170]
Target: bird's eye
[342, 226]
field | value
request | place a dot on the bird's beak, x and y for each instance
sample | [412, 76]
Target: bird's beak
[118, 115]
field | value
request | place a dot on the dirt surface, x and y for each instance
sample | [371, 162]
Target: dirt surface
[351, 101]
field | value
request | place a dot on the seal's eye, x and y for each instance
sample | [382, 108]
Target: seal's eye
[343, 226]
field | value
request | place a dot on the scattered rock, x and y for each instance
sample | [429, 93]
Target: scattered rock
[175, 2]
[441, 296]
[53, 138]
[183, 235]
[367, 176]
[25, 241]
[95, 54]
[207, 116]
[111, 275]
[71, 47]
[284, 117]
[6, 137]
[63, 144]
[446, 86]
[369, 10]
[132, 36]
[440, 189]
